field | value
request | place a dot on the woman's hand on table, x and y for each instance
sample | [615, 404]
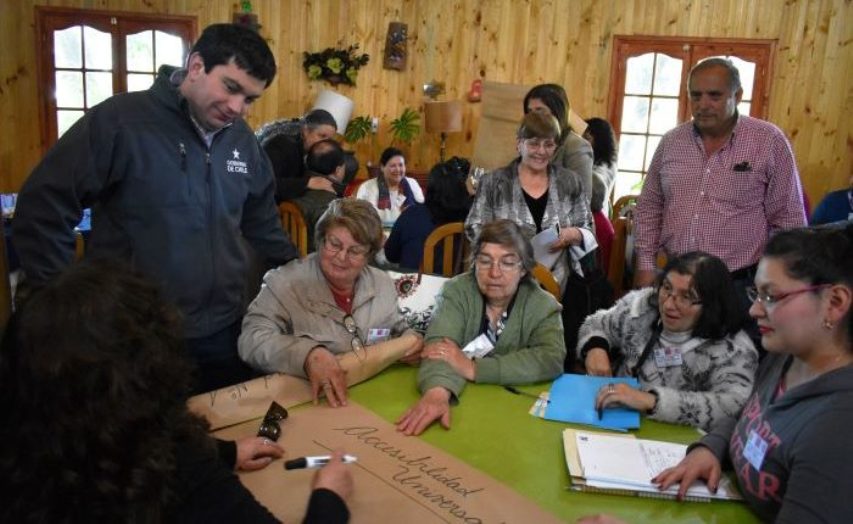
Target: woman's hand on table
[433, 405]
[450, 352]
[413, 352]
[700, 463]
[256, 453]
[334, 476]
[619, 394]
[597, 363]
[569, 236]
[326, 375]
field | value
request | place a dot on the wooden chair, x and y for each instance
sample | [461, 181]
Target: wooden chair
[79, 246]
[546, 279]
[294, 225]
[450, 235]
[622, 228]
[622, 202]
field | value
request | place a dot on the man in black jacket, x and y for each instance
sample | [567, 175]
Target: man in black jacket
[177, 184]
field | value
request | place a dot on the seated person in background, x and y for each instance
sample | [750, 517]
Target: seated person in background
[682, 339]
[496, 305]
[93, 391]
[446, 201]
[287, 154]
[835, 207]
[326, 304]
[790, 449]
[391, 192]
[325, 159]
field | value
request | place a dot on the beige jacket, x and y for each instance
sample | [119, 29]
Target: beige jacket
[295, 312]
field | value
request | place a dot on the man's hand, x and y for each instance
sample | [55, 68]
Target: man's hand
[321, 183]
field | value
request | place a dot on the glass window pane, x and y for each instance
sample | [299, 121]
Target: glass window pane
[99, 87]
[743, 108]
[651, 147]
[69, 89]
[139, 82]
[140, 51]
[667, 75]
[627, 183]
[747, 75]
[68, 48]
[99, 49]
[65, 119]
[638, 74]
[631, 149]
[635, 114]
[664, 115]
[169, 50]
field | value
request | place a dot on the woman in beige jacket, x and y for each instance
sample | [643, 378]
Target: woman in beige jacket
[326, 304]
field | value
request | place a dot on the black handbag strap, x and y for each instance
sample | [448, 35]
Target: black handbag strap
[653, 340]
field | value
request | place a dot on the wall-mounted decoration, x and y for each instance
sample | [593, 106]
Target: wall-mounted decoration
[396, 52]
[246, 17]
[336, 66]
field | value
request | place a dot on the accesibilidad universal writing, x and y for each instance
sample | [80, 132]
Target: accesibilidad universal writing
[622, 464]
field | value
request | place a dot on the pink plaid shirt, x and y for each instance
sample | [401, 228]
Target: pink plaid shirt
[727, 204]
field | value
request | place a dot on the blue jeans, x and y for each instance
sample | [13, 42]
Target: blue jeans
[216, 361]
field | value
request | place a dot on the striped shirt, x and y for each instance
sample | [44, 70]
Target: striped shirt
[727, 204]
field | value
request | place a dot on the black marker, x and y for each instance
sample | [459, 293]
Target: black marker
[316, 462]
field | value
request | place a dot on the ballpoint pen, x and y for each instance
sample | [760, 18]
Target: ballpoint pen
[526, 394]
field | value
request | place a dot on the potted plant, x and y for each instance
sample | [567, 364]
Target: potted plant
[336, 66]
[358, 129]
[406, 127]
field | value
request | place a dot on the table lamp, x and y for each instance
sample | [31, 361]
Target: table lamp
[339, 106]
[443, 117]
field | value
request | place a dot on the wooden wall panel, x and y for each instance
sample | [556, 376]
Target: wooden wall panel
[458, 41]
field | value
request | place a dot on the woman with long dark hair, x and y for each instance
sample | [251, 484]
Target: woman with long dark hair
[93, 390]
[600, 135]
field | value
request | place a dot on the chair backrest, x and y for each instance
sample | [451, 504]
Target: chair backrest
[622, 228]
[294, 225]
[622, 202]
[452, 237]
[546, 280]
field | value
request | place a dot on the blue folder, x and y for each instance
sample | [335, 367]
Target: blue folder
[573, 400]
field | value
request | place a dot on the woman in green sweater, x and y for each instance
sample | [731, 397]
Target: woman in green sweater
[492, 325]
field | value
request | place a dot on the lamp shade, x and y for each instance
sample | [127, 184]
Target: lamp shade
[443, 117]
[339, 106]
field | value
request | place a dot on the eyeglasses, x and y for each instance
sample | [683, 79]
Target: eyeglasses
[682, 300]
[506, 264]
[535, 143]
[353, 254]
[768, 300]
[357, 344]
[270, 426]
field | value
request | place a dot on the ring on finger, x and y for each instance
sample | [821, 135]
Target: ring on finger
[611, 388]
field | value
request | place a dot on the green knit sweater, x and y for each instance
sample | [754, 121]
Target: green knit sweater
[530, 348]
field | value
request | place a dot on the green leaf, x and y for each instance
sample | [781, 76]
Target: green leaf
[407, 126]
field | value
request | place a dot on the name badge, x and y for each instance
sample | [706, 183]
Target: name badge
[376, 335]
[667, 357]
[756, 448]
[479, 347]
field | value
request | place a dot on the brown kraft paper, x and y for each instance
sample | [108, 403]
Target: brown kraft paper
[396, 478]
[250, 400]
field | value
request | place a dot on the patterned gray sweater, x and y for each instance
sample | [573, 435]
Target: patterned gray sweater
[710, 386]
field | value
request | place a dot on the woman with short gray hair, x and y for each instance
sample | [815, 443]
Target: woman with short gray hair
[492, 325]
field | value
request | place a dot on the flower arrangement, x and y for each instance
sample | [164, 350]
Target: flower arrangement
[336, 66]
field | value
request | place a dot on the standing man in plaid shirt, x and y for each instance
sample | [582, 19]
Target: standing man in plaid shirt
[722, 183]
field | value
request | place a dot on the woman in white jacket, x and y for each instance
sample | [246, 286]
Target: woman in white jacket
[681, 339]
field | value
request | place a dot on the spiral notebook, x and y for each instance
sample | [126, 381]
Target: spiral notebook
[624, 465]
